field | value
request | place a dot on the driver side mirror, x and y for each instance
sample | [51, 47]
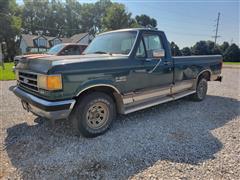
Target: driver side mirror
[159, 53]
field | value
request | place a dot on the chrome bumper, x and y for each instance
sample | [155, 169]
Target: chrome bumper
[40, 107]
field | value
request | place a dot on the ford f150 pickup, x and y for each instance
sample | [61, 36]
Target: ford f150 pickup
[120, 72]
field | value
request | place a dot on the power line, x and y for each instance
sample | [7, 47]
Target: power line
[191, 18]
[188, 34]
[216, 31]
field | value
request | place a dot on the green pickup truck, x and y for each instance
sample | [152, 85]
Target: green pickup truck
[120, 72]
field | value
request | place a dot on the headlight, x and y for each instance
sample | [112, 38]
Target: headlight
[50, 82]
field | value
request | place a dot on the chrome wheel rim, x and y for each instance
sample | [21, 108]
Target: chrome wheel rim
[202, 90]
[97, 115]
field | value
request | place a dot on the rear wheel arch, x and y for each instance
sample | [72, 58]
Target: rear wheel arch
[206, 74]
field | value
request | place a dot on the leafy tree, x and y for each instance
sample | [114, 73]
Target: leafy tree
[206, 48]
[74, 14]
[224, 47]
[211, 45]
[51, 18]
[55, 18]
[10, 24]
[216, 50]
[232, 54]
[35, 15]
[117, 18]
[146, 21]
[213, 48]
[100, 12]
[186, 51]
[200, 48]
[175, 49]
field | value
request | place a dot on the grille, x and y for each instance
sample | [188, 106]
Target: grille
[28, 80]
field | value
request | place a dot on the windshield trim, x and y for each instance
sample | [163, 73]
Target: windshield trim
[134, 43]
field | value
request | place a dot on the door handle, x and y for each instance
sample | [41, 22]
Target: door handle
[148, 59]
[167, 63]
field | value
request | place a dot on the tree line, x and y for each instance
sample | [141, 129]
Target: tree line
[230, 52]
[65, 18]
[62, 19]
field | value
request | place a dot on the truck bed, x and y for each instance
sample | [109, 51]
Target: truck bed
[188, 67]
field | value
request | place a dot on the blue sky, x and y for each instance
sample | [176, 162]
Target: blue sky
[188, 21]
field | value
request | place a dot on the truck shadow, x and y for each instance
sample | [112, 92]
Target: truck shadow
[178, 132]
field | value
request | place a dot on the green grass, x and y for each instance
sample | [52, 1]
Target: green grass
[7, 73]
[231, 63]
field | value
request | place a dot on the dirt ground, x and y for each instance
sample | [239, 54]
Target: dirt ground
[176, 140]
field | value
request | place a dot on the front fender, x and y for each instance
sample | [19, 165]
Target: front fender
[96, 83]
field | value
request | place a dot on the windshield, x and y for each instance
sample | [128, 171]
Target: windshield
[112, 43]
[55, 49]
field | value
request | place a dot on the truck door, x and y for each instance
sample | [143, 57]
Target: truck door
[153, 72]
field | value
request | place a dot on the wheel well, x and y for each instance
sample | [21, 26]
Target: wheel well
[105, 89]
[206, 75]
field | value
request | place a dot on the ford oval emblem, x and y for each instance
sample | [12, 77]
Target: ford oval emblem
[25, 80]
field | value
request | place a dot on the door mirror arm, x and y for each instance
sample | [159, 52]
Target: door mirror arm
[151, 71]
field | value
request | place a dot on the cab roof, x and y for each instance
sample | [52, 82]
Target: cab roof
[132, 29]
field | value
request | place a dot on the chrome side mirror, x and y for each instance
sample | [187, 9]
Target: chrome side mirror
[159, 53]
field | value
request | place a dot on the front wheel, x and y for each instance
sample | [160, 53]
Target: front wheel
[93, 114]
[201, 90]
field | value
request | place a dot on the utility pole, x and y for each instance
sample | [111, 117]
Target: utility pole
[216, 31]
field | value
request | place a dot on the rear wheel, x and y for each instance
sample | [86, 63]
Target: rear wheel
[93, 114]
[201, 90]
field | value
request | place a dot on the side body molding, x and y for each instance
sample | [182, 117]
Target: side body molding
[99, 85]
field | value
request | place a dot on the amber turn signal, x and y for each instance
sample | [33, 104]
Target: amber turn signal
[50, 82]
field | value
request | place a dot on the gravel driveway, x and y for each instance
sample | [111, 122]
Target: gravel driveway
[176, 140]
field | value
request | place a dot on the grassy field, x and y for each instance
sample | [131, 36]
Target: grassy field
[8, 73]
[232, 63]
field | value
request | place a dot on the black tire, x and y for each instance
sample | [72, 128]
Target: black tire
[201, 90]
[93, 114]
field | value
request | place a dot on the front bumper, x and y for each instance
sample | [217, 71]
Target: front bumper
[40, 107]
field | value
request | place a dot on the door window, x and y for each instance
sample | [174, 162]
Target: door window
[152, 42]
[72, 50]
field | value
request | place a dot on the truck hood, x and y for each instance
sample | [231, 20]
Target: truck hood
[42, 64]
[31, 56]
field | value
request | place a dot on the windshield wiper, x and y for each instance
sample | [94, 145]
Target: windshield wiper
[101, 52]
